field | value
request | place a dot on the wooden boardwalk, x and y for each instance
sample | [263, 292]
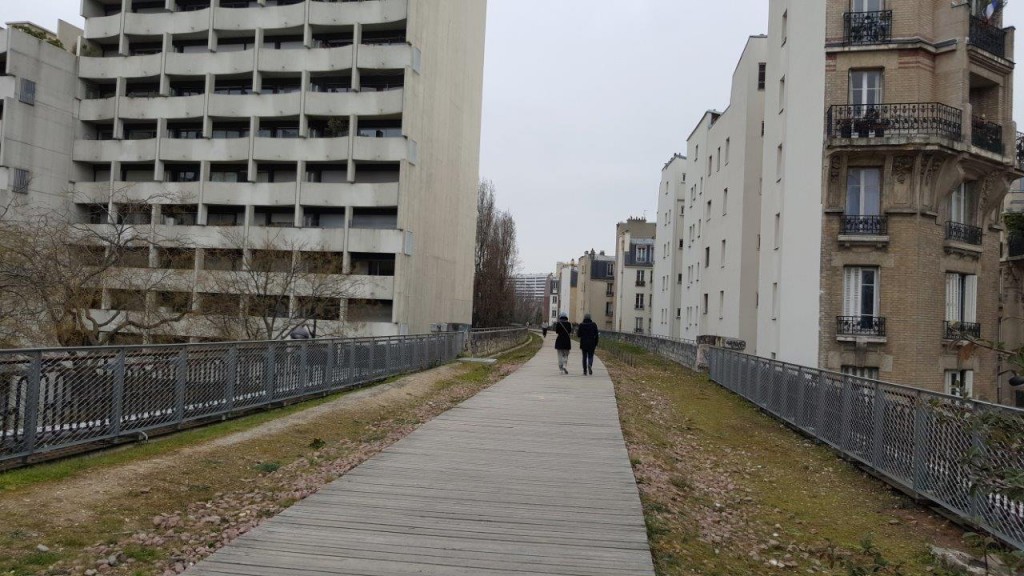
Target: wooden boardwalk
[528, 477]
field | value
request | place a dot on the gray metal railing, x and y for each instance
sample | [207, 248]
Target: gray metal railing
[64, 400]
[488, 341]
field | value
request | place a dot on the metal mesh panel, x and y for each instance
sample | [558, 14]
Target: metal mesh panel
[13, 391]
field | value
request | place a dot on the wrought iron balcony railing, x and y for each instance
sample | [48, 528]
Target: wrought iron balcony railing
[991, 39]
[865, 225]
[867, 27]
[960, 232]
[987, 135]
[907, 119]
[641, 283]
[860, 326]
[961, 330]
[1020, 150]
[638, 307]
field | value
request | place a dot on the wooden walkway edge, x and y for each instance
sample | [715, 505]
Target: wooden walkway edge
[531, 476]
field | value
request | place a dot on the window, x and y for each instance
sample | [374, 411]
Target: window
[861, 371]
[867, 5]
[960, 383]
[723, 254]
[778, 164]
[961, 204]
[710, 160]
[707, 256]
[22, 178]
[961, 297]
[707, 211]
[680, 243]
[718, 163]
[725, 201]
[785, 26]
[639, 301]
[721, 304]
[639, 329]
[679, 313]
[679, 278]
[863, 192]
[639, 277]
[782, 94]
[760, 79]
[865, 89]
[609, 309]
[705, 312]
[726, 151]
[28, 92]
[642, 254]
[775, 300]
[860, 293]
[778, 230]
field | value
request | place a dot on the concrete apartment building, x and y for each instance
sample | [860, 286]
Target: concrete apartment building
[567, 282]
[669, 267]
[595, 289]
[301, 126]
[531, 286]
[721, 220]
[38, 85]
[634, 270]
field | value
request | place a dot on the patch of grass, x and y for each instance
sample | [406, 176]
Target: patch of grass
[141, 553]
[268, 467]
[728, 490]
[41, 558]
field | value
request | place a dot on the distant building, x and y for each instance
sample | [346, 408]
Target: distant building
[669, 265]
[530, 286]
[596, 289]
[634, 268]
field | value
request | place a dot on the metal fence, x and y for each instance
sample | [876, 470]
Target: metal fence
[488, 341]
[57, 401]
[933, 445]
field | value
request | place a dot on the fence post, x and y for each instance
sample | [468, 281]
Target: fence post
[179, 385]
[268, 372]
[35, 374]
[232, 377]
[117, 395]
[878, 428]
[303, 365]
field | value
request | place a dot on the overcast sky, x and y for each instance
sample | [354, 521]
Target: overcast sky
[584, 101]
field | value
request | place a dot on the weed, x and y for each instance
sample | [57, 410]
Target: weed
[317, 443]
[141, 553]
[268, 467]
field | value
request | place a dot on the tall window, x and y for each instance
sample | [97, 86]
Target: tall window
[639, 277]
[863, 192]
[721, 304]
[639, 301]
[725, 201]
[961, 297]
[860, 293]
[961, 204]
[867, 5]
[960, 383]
[705, 303]
[760, 76]
[865, 89]
[642, 253]
[722, 263]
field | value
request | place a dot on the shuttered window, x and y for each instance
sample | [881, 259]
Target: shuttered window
[860, 291]
[960, 383]
[961, 297]
[863, 192]
[867, 5]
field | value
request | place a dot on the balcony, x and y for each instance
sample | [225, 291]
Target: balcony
[1020, 151]
[872, 326]
[887, 120]
[867, 27]
[987, 135]
[638, 307]
[1014, 245]
[865, 226]
[991, 39]
[641, 283]
[965, 233]
[955, 330]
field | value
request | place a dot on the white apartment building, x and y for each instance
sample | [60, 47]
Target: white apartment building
[720, 222]
[566, 278]
[791, 209]
[346, 128]
[669, 265]
[38, 86]
[530, 286]
[634, 270]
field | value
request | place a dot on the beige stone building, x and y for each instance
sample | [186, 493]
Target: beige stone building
[919, 154]
[346, 128]
[595, 289]
[634, 272]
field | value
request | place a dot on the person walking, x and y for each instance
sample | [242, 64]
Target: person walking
[563, 330]
[588, 334]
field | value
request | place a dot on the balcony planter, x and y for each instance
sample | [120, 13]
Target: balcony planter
[846, 128]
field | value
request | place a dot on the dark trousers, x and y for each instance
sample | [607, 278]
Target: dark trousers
[588, 359]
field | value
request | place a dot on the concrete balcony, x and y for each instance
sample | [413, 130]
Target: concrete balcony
[288, 238]
[212, 63]
[268, 17]
[162, 107]
[198, 236]
[312, 59]
[380, 149]
[97, 109]
[90, 193]
[348, 194]
[384, 56]
[373, 240]
[172, 22]
[295, 149]
[114, 150]
[90, 67]
[217, 150]
[241, 193]
[360, 103]
[372, 287]
[334, 13]
[102, 27]
[244, 105]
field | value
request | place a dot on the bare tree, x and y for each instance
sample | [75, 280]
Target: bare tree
[268, 289]
[57, 272]
[494, 299]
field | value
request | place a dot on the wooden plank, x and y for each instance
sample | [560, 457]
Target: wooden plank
[531, 476]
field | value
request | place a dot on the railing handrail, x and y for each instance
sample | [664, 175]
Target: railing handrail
[900, 118]
[962, 232]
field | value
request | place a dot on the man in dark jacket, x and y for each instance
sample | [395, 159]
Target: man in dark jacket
[587, 331]
[563, 329]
